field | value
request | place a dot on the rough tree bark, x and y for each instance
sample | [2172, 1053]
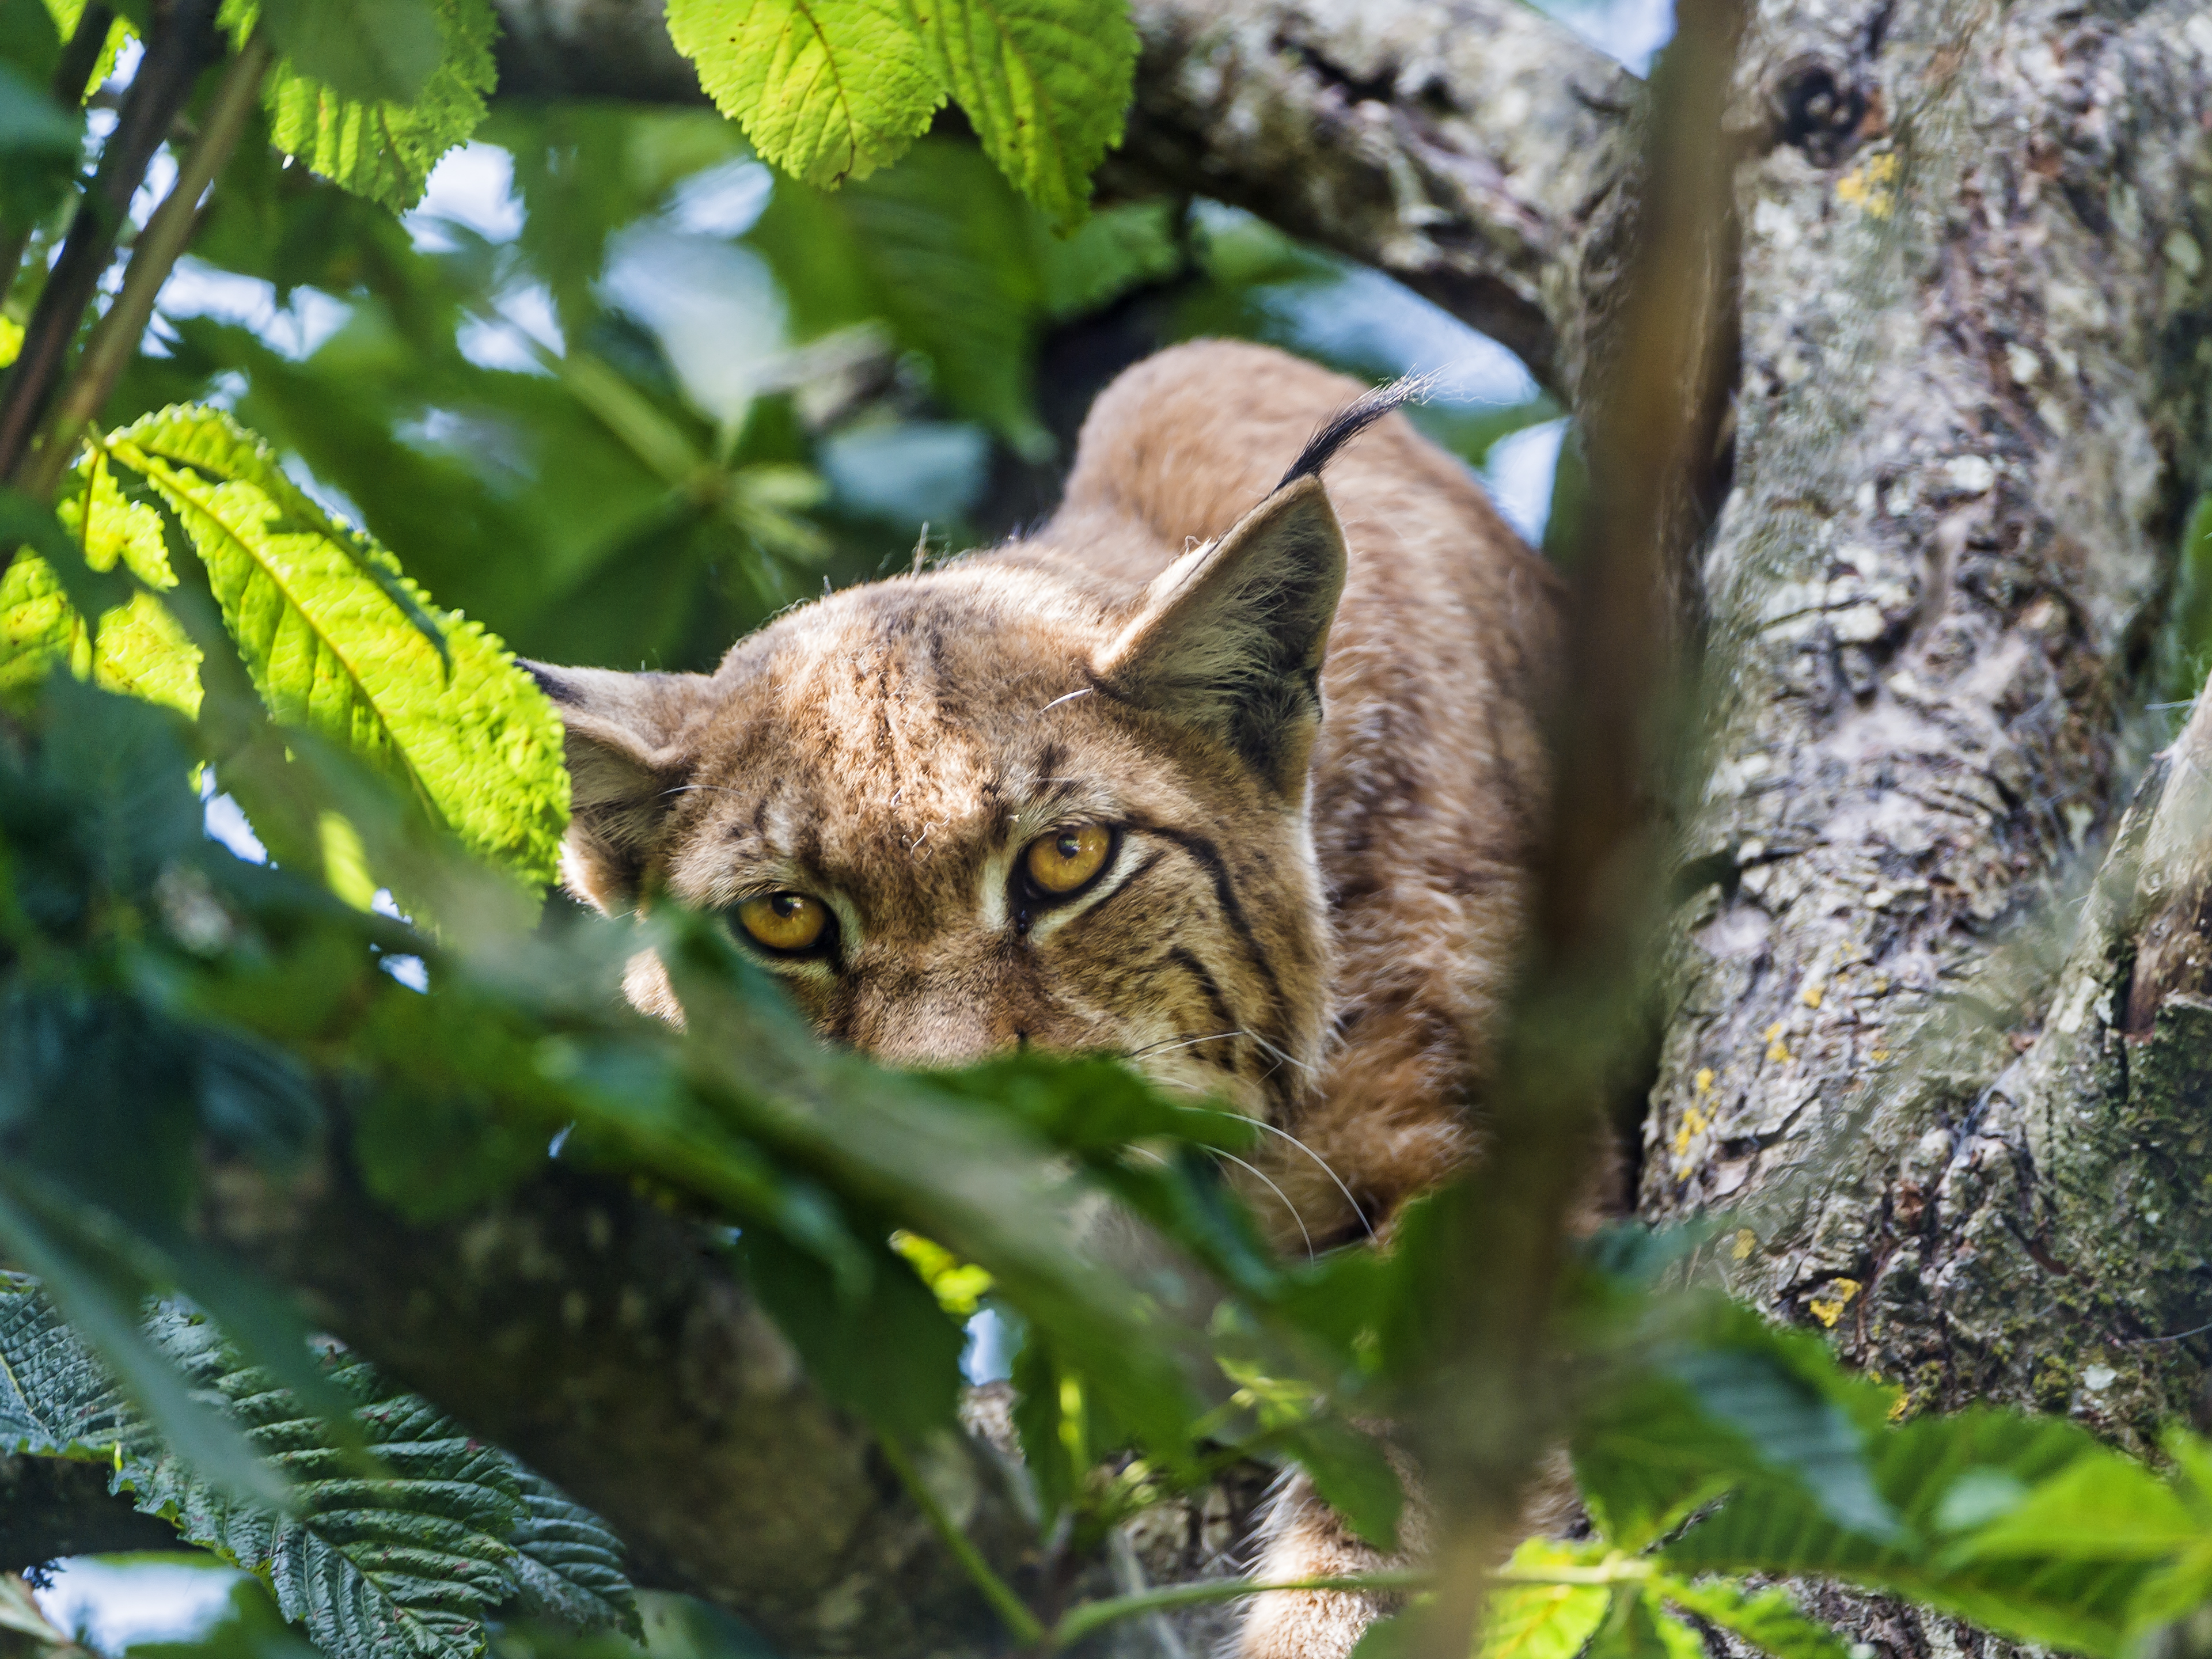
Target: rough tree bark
[1939, 1024]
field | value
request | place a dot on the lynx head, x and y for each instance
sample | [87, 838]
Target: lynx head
[1000, 803]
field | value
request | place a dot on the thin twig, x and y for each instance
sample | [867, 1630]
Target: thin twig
[997, 1591]
[1651, 398]
[168, 234]
[181, 42]
[71, 71]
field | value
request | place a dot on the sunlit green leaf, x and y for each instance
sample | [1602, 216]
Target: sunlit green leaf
[1542, 1622]
[382, 147]
[332, 634]
[1767, 1618]
[1045, 83]
[826, 89]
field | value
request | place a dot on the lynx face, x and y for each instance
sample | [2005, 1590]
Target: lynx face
[1001, 804]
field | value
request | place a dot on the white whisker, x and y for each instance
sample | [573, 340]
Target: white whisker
[1146, 1151]
[1273, 1187]
[1273, 1129]
[1070, 697]
[1269, 1049]
[1175, 1042]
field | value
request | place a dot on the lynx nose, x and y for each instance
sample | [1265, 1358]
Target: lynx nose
[948, 1016]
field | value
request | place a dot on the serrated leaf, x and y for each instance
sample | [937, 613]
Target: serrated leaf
[74, 1398]
[569, 1563]
[1767, 1618]
[1046, 84]
[382, 148]
[328, 629]
[826, 89]
[137, 647]
[412, 1561]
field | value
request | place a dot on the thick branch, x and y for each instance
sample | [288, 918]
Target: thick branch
[53, 1506]
[604, 1343]
[1472, 149]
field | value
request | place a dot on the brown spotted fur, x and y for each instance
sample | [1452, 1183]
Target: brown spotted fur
[1315, 926]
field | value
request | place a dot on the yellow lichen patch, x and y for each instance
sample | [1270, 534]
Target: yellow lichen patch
[1704, 1078]
[1777, 1049]
[1746, 1242]
[1830, 1308]
[1696, 1120]
[1869, 184]
[1811, 995]
[1900, 1408]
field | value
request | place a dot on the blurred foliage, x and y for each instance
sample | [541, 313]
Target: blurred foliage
[655, 395]
[2186, 645]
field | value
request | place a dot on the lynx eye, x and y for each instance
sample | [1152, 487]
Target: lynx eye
[785, 923]
[1068, 858]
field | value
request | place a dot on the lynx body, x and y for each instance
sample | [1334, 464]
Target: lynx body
[1080, 791]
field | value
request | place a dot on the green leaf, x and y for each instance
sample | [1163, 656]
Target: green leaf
[409, 1561]
[1543, 1621]
[889, 1354]
[375, 52]
[30, 123]
[1046, 83]
[380, 148]
[2098, 1509]
[1715, 1395]
[333, 636]
[1791, 1427]
[30, 42]
[826, 89]
[1117, 249]
[569, 1562]
[40, 137]
[1770, 1527]
[1767, 1618]
[1352, 1476]
[74, 1399]
[1637, 1627]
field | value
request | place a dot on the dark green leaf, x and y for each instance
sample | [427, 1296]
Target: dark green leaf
[375, 50]
[888, 1354]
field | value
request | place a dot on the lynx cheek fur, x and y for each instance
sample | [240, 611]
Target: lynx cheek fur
[1078, 790]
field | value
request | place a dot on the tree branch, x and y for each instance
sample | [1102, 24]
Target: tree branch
[1473, 149]
[54, 1506]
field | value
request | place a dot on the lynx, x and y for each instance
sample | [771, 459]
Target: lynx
[1227, 770]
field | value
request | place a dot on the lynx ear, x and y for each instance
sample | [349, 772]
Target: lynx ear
[622, 762]
[1230, 638]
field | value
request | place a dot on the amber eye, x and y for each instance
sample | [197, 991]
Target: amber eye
[784, 922]
[1068, 858]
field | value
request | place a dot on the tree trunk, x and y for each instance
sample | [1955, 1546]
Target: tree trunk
[1970, 419]
[1954, 1116]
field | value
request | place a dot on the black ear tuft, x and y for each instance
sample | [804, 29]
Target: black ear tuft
[1230, 638]
[1354, 418]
